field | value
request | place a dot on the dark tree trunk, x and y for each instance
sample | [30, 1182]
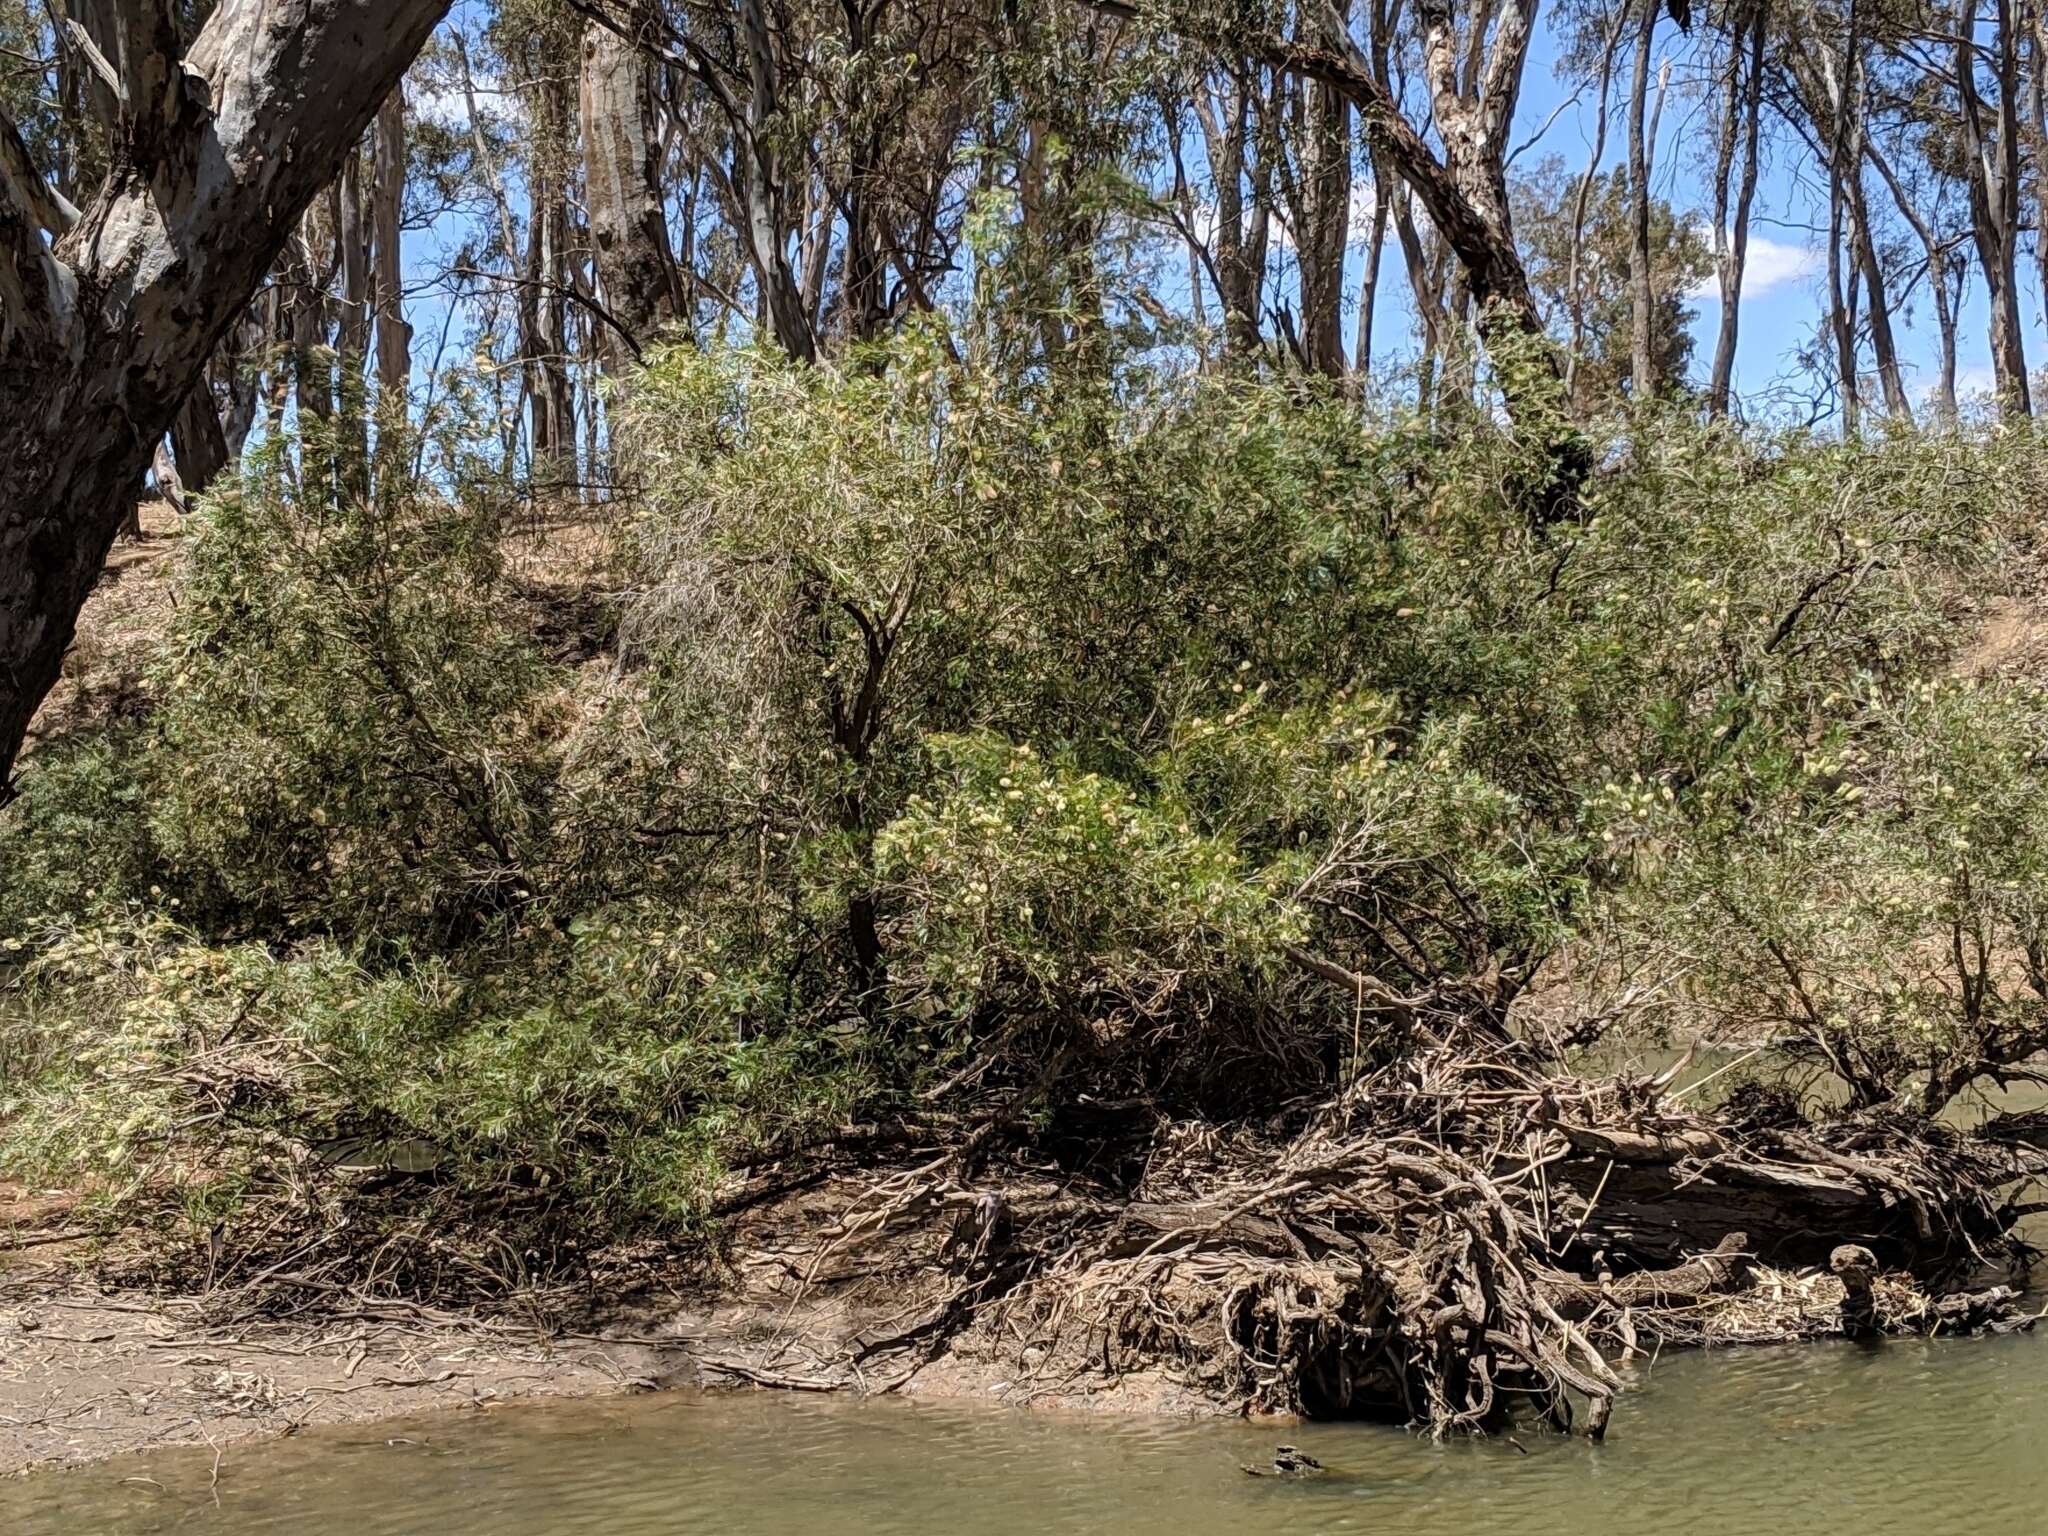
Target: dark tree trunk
[1992, 177]
[387, 217]
[1324, 227]
[107, 332]
[198, 444]
[1642, 301]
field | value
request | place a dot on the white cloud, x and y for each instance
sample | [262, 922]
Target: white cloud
[1771, 264]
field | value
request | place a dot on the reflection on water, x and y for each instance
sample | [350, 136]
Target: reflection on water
[1910, 1438]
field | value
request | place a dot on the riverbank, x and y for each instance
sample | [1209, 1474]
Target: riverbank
[1458, 1243]
[87, 1374]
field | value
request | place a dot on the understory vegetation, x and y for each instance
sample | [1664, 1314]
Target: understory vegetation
[929, 736]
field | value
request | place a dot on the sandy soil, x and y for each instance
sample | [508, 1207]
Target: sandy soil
[86, 1375]
[89, 1371]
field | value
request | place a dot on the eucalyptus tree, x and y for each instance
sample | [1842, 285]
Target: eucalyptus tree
[107, 320]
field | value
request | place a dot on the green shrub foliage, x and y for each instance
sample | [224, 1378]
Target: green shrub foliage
[960, 727]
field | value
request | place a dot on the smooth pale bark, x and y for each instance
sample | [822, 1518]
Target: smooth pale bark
[761, 166]
[103, 336]
[1369, 285]
[622, 190]
[1731, 236]
[387, 259]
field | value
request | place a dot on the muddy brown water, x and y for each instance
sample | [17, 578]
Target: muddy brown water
[1909, 1438]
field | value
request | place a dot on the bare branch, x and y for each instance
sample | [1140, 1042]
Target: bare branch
[18, 172]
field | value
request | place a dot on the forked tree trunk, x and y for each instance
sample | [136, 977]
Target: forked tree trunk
[103, 336]
[1241, 225]
[622, 190]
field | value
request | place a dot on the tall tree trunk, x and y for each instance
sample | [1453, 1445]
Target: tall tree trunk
[622, 197]
[1575, 261]
[761, 172]
[1883, 349]
[1937, 280]
[352, 346]
[864, 291]
[1242, 231]
[2037, 37]
[387, 217]
[107, 331]
[546, 317]
[1369, 284]
[1731, 237]
[1642, 302]
[1840, 88]
[532, 382]
[352, 252]
[1992, 178]
[1324, 226]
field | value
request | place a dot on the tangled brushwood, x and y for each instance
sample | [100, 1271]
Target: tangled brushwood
[1087, 872]
[1462, 1236]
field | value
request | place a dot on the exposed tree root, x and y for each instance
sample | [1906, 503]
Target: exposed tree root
[1457, 1241]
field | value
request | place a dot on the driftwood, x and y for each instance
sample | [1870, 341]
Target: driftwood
[1458, 1238]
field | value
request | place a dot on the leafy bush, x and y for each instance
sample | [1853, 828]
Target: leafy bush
[353, 729]
[77, 838]
[1879, 901]
[975, 727]
[599, 1080]
[1041, 889]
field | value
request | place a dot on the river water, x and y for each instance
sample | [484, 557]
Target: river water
[1913, 1438]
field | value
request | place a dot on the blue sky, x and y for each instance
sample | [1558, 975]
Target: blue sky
[1782, 304]
[1782, 299]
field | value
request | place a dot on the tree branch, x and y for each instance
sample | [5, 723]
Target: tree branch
[18, 174]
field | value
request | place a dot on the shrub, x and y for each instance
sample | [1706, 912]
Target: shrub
[597, 1082]
[77, 838]
[352, 728]
[1879, 901]
[1058, 736]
